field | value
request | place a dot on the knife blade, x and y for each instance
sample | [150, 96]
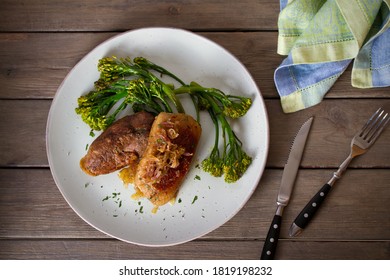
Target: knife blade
[286, 186]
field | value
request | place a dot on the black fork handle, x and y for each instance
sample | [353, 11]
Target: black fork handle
[309, 211]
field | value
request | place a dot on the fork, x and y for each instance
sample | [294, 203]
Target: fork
[360, 143]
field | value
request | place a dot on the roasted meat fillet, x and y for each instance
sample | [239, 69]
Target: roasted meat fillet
[119, 145]
[167, 158]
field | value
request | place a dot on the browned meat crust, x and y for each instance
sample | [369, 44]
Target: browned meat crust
[119, 145]
[171, 147]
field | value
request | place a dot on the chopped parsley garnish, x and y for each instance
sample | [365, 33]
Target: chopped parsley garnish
[114, 195]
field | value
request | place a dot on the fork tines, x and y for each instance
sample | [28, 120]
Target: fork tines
[374, 126]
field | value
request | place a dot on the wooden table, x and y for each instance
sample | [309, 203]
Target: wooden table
[40, 42]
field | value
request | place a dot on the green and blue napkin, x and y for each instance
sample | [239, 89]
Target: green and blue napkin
[321, 38]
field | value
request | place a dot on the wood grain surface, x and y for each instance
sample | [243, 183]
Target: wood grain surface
[41, 41]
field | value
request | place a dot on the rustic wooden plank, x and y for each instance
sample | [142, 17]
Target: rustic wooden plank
[33, 65]
[71, 15]
[195, 250]
[336, 121]
[355, 250]
[47, 50]
[23, 132]
[32, 207]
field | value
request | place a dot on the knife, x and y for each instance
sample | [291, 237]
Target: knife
[289, 173]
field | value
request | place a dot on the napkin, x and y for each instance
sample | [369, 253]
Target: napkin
[321, 38]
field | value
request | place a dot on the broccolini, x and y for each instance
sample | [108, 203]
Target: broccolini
[134, 82]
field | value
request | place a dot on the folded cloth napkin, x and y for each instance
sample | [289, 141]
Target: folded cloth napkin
[321, 38]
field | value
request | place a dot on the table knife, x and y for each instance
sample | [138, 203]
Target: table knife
[286, 186]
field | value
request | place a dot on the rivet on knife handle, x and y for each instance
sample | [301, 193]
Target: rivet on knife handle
[272, 238]
[309, 211]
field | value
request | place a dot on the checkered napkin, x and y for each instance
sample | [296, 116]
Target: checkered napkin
[321, 38]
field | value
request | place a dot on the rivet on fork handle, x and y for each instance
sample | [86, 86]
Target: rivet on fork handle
[363, 140]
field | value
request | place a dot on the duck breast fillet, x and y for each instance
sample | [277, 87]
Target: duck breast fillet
[120, 145]
[171, 146]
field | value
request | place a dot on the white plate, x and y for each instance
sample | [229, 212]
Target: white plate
[204, 203]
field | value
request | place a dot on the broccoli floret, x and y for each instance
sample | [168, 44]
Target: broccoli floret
[112, 68]
[232, 106]
[234, 160]
[236, 106]
[94, 108]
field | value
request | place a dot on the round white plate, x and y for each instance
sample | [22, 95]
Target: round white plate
[203, 203]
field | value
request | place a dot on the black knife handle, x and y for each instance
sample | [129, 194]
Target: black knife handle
[311, 208]
[272, 238]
